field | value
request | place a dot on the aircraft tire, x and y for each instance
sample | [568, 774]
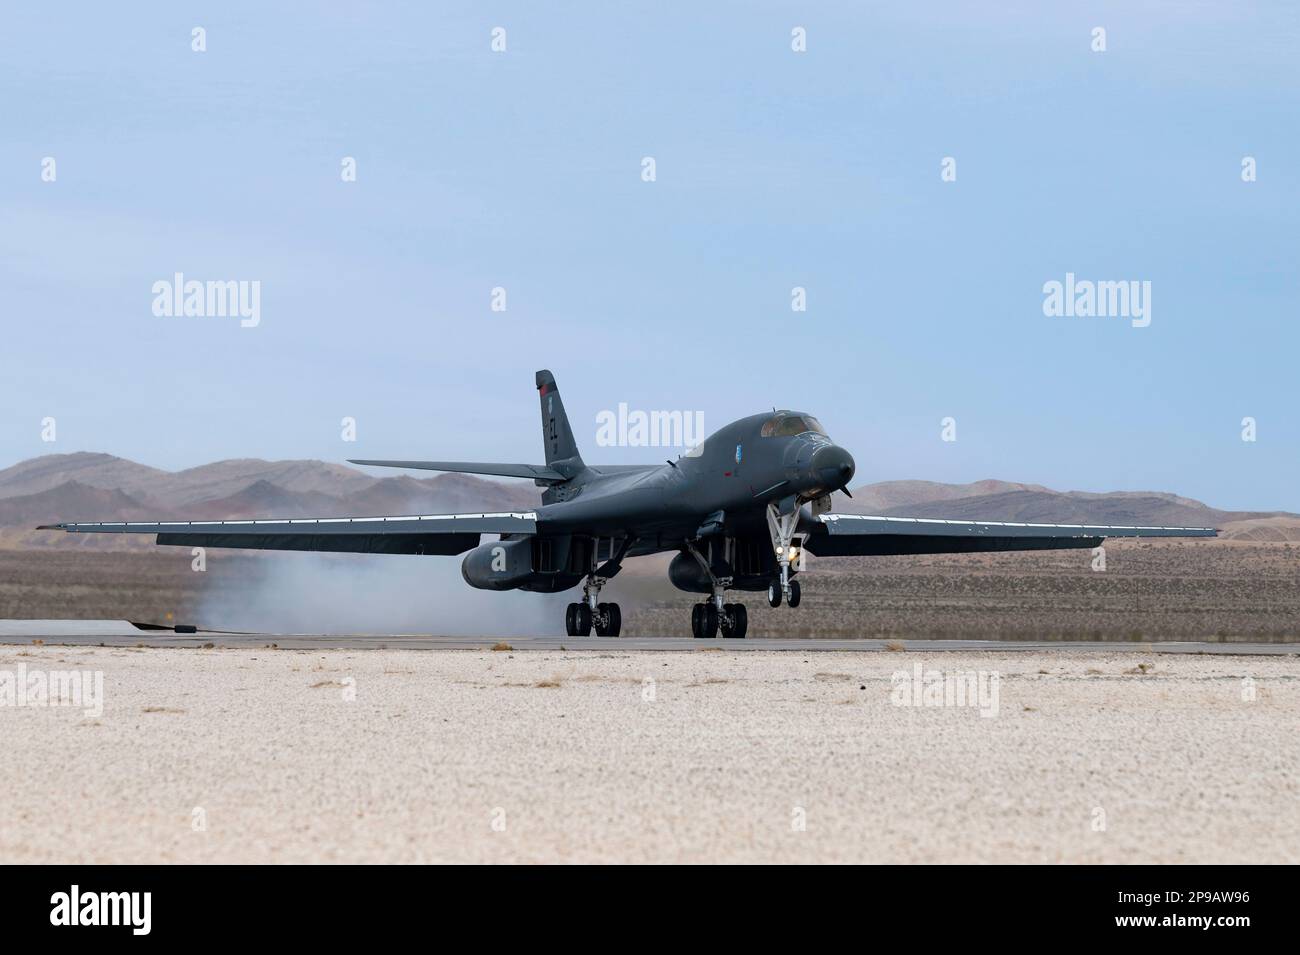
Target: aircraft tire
[709, 622]
[740, 623]
[773, 595]
[736, 622]
[613, 620]
[795, 595]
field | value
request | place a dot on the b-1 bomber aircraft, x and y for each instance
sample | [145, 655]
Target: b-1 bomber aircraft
[739, 509]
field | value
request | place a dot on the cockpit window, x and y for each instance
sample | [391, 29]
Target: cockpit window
[785, 425]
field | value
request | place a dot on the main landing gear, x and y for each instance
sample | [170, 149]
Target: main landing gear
[579, 618]
[712, 615]
[707, 619]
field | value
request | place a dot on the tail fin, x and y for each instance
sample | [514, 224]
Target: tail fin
[557, 437]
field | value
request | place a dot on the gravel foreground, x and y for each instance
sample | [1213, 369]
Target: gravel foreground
[704, 756]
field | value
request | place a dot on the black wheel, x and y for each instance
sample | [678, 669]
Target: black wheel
[709, 622]
[582, 618]
[571, 620]
[697, 621]
[735, 621]
[794, 594]
[774, 595]
[612, 620]
[739, 622]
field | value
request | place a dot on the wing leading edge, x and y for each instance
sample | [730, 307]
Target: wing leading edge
[538, 472]
[417, 534]
[850, 535]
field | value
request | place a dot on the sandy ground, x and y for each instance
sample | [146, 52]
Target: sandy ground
[269, 755]
[1150, 591]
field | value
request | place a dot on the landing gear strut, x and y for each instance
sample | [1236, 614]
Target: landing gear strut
[712, 615]
[580, 617]
[788, 551]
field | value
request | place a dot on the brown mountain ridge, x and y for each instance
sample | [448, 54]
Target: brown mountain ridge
[94, 486]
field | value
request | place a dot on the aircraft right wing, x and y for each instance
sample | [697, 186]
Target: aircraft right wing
[849, 535]
[419, 534]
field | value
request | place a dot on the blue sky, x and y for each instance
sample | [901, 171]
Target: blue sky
[774, 169]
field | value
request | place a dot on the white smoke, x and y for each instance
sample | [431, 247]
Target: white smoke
[374, 594]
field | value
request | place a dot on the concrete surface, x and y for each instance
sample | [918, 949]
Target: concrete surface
[122, 633]
[260, 755]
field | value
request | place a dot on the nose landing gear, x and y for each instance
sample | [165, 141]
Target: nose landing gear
[788, 550]
[792, 595]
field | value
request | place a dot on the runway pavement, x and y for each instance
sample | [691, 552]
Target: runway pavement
[247, 755]
[123, 633]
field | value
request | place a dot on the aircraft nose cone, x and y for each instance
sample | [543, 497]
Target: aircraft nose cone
[833, 467]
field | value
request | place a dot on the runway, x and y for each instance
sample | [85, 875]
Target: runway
[123, 633]
[251, 755]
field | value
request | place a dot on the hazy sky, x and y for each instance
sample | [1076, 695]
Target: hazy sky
[775, 169]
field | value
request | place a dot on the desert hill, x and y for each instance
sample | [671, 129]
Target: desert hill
[94, 486]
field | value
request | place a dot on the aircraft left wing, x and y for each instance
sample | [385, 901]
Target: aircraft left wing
[417, 534]
[538, 472]
[850, 535]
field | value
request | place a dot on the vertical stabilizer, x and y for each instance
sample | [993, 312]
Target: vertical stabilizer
[557, 437]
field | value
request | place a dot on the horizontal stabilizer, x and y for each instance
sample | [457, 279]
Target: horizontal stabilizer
[536, 472]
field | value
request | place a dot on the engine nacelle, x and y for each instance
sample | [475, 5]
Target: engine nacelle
[686, 574]
[499, 565]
